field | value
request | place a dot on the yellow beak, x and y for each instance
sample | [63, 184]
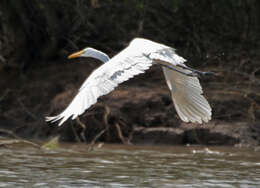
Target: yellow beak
[76, 54]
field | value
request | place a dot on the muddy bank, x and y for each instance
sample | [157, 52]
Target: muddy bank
[36, 80]
[139, 111]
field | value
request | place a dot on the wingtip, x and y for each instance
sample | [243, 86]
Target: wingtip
[52, 119]
[48, 118]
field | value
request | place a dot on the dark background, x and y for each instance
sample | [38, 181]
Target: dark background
[37, 80]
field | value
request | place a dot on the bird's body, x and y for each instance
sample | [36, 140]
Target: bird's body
[139, 56]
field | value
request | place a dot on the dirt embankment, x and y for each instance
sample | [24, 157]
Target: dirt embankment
[139, 111]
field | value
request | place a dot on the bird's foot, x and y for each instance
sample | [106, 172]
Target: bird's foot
[197, 73]
[192, 74]
[201, 73]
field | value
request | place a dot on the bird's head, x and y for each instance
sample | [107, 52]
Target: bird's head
[90, 52]
[81, 53]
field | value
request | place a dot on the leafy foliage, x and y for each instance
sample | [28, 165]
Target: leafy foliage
[40, 30]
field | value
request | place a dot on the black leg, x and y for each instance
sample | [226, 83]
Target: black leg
[192, 74]
[197, 71]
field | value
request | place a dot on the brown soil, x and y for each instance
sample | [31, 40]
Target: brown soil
[139, 111]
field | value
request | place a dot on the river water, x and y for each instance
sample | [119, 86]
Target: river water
[129, 166]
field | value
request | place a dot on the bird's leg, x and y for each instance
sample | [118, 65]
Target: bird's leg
[196, 71]
[192, 74]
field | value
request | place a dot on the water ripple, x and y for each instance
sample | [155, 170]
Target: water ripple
[125, 166]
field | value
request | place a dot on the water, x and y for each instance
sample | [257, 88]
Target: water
[129, 166]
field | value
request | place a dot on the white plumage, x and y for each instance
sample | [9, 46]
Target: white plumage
[139, 56]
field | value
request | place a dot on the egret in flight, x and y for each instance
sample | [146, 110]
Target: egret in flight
[137, 57]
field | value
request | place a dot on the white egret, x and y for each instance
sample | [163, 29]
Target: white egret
[138, 56]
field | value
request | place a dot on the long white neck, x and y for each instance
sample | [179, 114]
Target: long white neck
[91, 52]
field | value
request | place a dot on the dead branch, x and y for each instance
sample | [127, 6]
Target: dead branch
[251, 76]
[91, 145]
[17, 128]
[239, 92]
[75, 133]
[230, 115]
[5, 94]
[17, 139]
[82, 133]
[2, 59]
[105, 118]
[251, 111]
[106, 114]
[10, 142]
[11, 133]
[122, 138]
[80, 123]
[26, 110]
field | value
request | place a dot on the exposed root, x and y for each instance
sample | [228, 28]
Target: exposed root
[11, 133]
[75, 133]
[105, 118]
[10, 142]
[16, 140]
[80, 123]
[82, 133]
[91, 145]
[122, 138]
[251, 111]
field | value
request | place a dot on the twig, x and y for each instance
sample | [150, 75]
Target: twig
[11, 133]
[2, 59]
[90, 148]
[26, 110]
[122, 138]
[195, 136]
[82, 133]
[5, 94]
[72, 43]
[230, 115]
[80, 123]
[17, 128]
[251, 111]
[249, 76]
[74, 132]
[239, 92]
[17, 139]
[106, 114]
[9, 142]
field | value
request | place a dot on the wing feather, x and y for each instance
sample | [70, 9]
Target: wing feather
[139, 56]
[187, 96]
[103, 80]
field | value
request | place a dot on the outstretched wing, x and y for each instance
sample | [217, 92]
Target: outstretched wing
[125, 65]
[187, 97]
[133, 60]
[186, 91]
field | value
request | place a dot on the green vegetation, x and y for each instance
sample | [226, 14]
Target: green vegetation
[34, 31]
